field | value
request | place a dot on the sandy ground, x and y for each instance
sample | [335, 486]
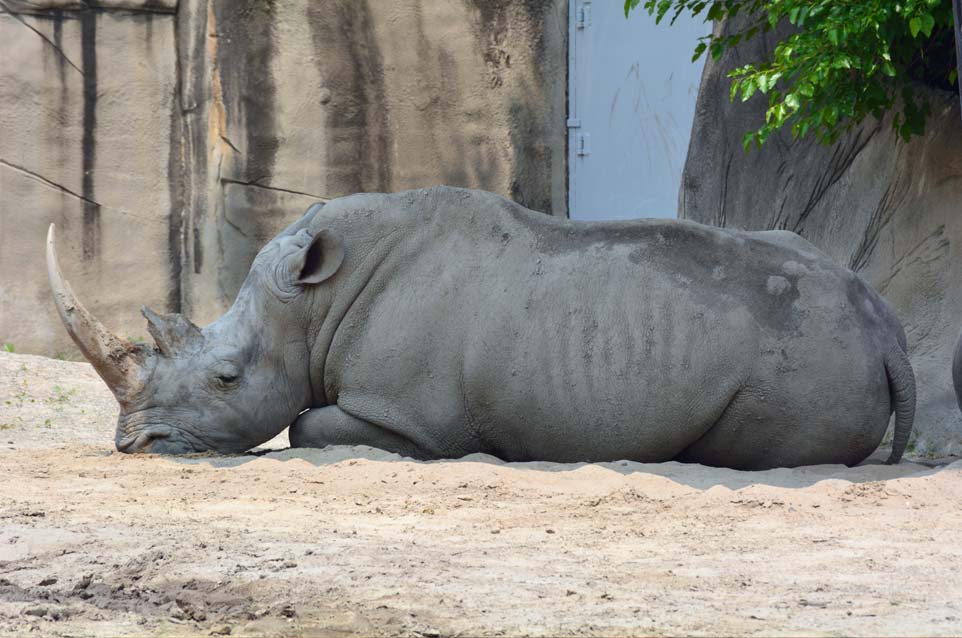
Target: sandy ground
[354, 540]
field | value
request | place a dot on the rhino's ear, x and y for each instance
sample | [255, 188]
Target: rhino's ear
[172, 333]
[319, 259]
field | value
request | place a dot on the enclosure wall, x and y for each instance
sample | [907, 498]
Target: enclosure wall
[168, 140]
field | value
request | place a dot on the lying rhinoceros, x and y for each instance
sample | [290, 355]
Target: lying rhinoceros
[441, 322]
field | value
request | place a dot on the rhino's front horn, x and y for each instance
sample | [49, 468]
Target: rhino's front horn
[119, 363]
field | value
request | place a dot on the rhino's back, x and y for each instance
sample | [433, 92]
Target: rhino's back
[563, 339]
[758, 272]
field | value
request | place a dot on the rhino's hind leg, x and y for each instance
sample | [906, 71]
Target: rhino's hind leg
[760, 430]
[321, 427]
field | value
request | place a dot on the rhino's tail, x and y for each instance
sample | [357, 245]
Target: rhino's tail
[957, 371]
[898, 369]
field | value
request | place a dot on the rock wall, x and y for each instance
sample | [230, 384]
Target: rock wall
[169, 140]
[887, 209]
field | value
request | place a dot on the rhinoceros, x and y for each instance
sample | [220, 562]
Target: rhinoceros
[442, 322]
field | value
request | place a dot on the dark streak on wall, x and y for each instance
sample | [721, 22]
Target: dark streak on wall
[244, 52]
[91, 210]
[436, 109]
[531, 176]
[187, 161]
[190, 33]
[56, 17]
[492, 33]
[179, 196]
[358, 156]
[245, 48]
[531, 182]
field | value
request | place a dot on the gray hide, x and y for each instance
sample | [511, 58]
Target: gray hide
[441, 322]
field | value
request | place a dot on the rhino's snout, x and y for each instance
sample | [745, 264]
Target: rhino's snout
[153, 441]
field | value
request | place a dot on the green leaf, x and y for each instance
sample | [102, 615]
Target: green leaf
[766, 81]
[763, 134]
[831, 115]
[801, 16]
[843, 63]
[845, 60]
[915, 25]
[699, 50]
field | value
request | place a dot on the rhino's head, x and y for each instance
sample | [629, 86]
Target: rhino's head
[229, 386]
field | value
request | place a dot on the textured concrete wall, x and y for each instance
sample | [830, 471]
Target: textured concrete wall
[170, 139]
[889, 210]
[86, 102]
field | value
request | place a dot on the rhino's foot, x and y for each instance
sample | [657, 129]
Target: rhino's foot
[321, 427]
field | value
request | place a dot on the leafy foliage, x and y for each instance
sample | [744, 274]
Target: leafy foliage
[844, 60]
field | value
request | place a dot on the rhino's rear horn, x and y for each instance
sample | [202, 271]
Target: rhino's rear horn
[120, 363]
[173, 332]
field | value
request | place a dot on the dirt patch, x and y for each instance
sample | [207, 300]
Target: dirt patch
[354, 540]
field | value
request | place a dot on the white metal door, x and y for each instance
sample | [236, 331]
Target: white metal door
[631, 100]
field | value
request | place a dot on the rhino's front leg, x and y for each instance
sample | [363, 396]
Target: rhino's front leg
[321, 427]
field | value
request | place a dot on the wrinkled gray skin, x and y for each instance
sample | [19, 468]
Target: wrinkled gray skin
[441, 322]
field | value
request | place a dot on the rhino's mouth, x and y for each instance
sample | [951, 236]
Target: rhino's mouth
[144, 441]
[157, 439]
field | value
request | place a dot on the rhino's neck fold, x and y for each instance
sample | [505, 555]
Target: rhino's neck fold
[354, 291]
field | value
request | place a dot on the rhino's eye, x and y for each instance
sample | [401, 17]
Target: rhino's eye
[226, 379]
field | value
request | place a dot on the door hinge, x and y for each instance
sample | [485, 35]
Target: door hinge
[583, 19]
[584, 144]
